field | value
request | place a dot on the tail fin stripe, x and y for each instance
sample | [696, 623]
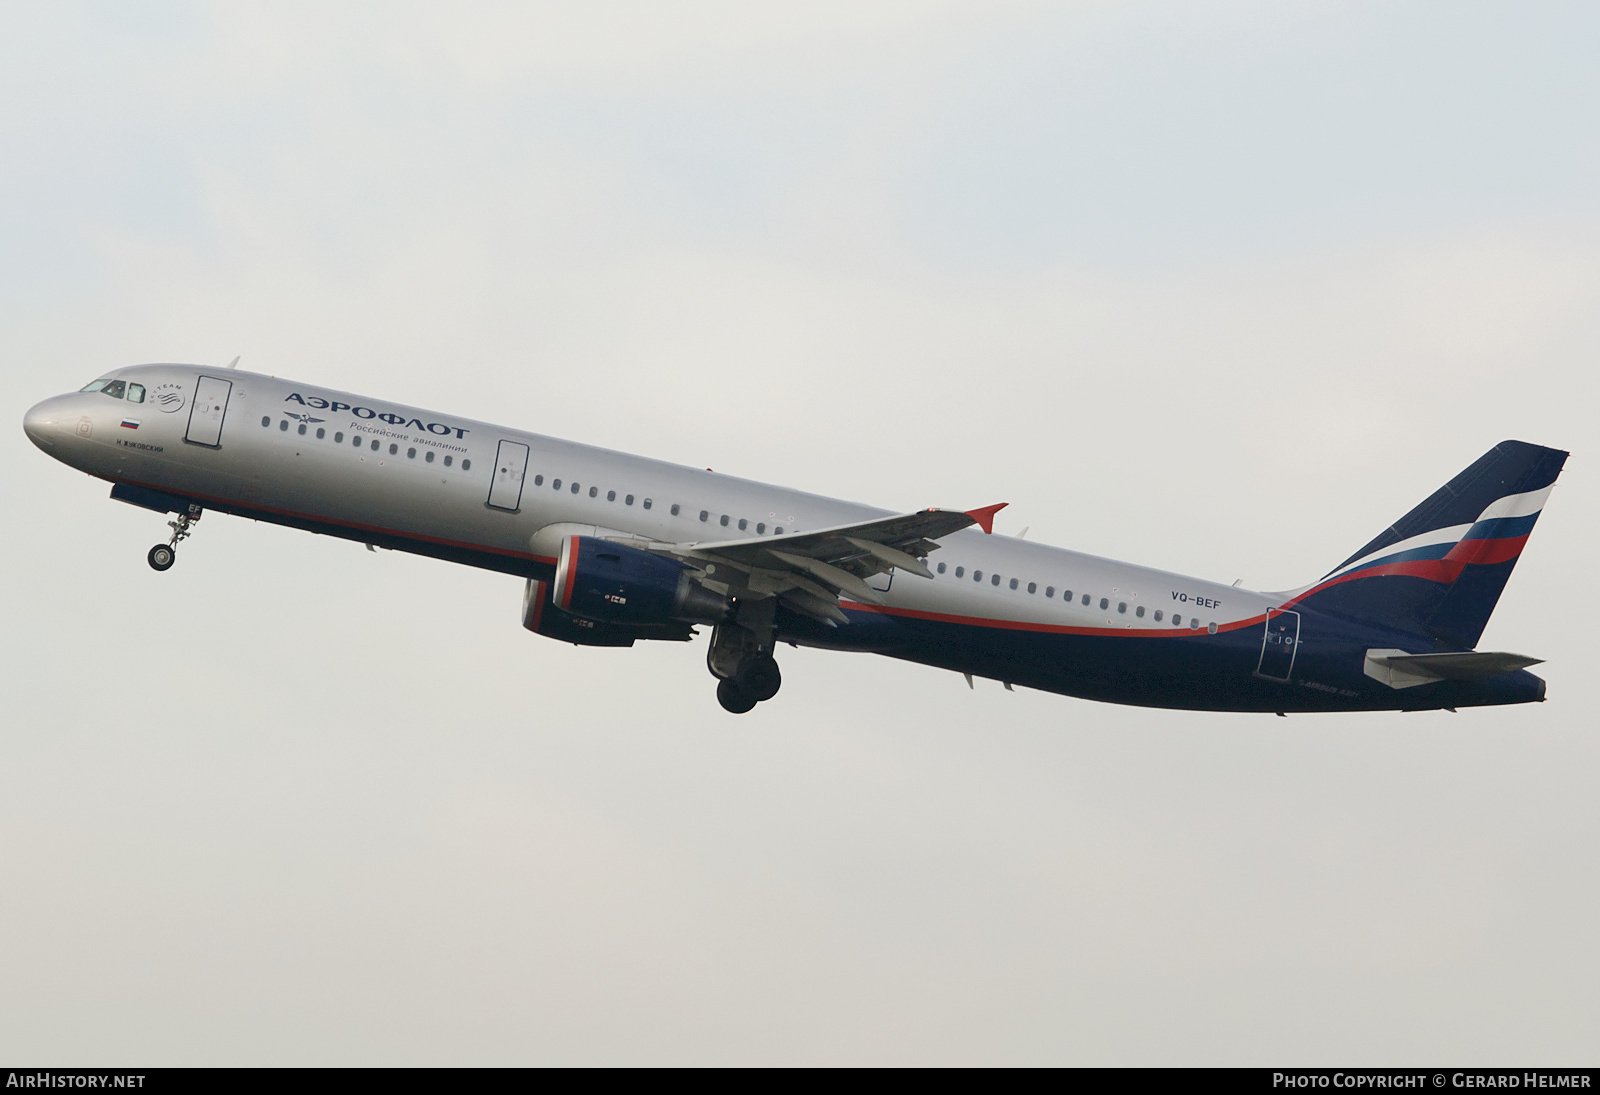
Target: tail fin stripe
[1499, 528]
[1436, 564]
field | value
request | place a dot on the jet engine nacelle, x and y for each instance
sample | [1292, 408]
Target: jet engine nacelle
[543, 618]
[608, 583]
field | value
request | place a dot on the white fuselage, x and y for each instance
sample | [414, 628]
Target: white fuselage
[299, 451]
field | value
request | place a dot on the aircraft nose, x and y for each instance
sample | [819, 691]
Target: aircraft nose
[42, 422]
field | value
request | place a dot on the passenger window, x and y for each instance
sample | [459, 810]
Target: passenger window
[1105, 603]
[374, 445]
[1014, 585]
[411, 454]
[761, 528]
[135, 393]
[283, 427]
[941, 568]
[1177, 621]
[1066, 595]
[705, 515]
[355, 439]
[961, 572]
[611, 496]
[1122, 607]
[555, 484]
[724, 520]
[778, 531]
[647, 503]
[447, 460]
[466, 465]
[538, 480]
[338, 438]
[995, 580]
[674, 509]
[1158, 615]
[393, 449]
[1032, 588]
[1139, 612]
[594, 492]
[1050, 591]
[428, 456]
[743, 524]
[574, 488]
[114, 389]
[265, 421]
[302, 430]
[1086, 600]
[628, 500]
[321, 433]
[977, 576]
[1212, 627]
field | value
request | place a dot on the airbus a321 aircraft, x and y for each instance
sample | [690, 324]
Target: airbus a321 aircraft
[617, 548]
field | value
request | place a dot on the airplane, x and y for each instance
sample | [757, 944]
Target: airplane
[615, 549]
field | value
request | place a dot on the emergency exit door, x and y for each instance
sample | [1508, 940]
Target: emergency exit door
[1279, 644]
[505, 492]
[207, 410]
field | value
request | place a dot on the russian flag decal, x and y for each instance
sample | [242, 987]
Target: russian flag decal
[130, 423]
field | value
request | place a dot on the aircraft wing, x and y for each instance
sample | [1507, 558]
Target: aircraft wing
[810, 571]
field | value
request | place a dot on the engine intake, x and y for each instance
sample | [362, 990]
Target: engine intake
[613, 584]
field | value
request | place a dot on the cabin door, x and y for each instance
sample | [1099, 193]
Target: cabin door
[1279, 644]
[207, 410]
[505, 492]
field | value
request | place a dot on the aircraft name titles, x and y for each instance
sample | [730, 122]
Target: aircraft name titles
[321, 404]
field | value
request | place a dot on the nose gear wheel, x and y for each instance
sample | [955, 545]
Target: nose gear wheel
[162, 556]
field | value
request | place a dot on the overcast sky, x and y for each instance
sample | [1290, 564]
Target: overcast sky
[1220, 288]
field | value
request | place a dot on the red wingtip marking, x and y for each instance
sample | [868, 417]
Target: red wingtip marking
[985, 516]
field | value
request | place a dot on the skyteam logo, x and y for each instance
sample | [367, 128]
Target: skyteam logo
[168, 397]
[438, 429]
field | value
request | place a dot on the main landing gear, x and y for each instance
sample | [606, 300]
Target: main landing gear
[740, 657]
[162, 556]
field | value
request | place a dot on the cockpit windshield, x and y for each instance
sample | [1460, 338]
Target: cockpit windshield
[116, 389]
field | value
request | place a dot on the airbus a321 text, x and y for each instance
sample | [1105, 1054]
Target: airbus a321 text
[617, 548]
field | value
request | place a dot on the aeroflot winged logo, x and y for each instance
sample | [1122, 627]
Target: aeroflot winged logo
[334, 407]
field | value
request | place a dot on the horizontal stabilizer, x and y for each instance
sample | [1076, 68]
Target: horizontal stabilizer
[1397, 669]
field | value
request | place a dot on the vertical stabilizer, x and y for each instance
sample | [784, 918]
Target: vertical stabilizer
[1438, 571]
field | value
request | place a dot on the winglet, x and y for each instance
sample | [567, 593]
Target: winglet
[985, 516]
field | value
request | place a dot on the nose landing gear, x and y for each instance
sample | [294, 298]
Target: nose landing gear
[162, 556]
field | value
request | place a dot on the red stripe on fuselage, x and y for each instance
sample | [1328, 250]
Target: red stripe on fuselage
[1058, 629]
